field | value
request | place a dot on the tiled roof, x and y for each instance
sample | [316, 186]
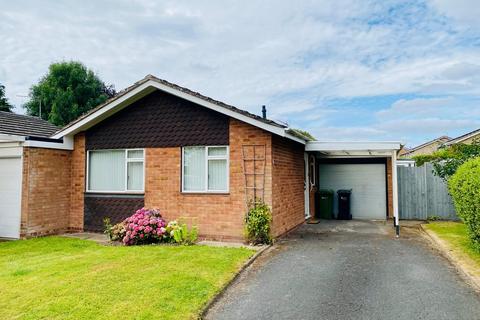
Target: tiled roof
[181, 89]
[463, 137]
[441, 139]
[22, 125]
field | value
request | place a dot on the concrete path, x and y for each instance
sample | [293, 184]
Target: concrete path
[350, 270]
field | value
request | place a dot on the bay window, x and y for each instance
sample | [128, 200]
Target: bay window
[205, 169]
[115, 170]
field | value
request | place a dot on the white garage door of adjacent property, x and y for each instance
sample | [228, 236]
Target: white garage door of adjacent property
[368, 184]
[10, 197]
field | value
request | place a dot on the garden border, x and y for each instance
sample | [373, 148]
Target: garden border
[227, 285]
[444, 250]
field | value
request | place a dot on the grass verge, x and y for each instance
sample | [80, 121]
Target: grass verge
[453, 239]
[64, 278]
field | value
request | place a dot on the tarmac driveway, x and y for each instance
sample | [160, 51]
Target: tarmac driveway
[349, 270]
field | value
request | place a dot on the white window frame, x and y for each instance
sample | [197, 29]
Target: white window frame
[127, 160]
[207, 157]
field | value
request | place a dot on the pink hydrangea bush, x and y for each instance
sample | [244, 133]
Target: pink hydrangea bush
[144, 227]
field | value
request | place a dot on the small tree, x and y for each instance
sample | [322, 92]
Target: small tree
[4, 104]
[66, 92]
[464, 186]
[447, 160]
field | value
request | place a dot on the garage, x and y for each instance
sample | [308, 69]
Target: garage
[10, 191]
[368, 169]
[367, 182]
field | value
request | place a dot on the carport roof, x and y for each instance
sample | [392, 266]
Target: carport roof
[353, 148]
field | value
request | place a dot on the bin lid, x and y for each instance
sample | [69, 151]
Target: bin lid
[344, 191]
[326, 191]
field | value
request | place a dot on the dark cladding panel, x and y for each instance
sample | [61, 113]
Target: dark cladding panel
[160, 120]
[116, 208]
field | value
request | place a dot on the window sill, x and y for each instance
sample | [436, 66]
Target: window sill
[115, 193]
[205, 193]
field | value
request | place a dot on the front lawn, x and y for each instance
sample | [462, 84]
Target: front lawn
[64, 278]
[454, 237]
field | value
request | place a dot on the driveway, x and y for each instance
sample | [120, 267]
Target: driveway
[349, 270]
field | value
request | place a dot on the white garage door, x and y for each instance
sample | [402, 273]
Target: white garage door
[368, 185]
[10, 195]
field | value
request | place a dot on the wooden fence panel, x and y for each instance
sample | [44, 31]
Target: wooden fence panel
[421, 194]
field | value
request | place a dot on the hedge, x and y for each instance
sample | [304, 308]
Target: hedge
[464, 187]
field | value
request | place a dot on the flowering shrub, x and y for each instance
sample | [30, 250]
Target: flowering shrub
[115, 232]
[145, 226]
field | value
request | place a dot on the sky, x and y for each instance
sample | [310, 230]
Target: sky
[343, 70]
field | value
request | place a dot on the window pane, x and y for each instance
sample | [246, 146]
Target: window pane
[217, 151]
[135, 176]
[135, 154]
[107, 170]
[194, 169]
[217, 175]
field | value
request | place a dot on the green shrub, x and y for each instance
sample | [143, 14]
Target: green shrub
[464, 186]
[257, 224]
[180, 234]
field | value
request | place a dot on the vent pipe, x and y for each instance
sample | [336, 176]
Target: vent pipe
[264, 112]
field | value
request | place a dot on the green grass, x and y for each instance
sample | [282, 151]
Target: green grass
[64, 278]
[455, 235]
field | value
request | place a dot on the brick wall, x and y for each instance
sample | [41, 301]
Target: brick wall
[77, 183]
[288, 181]
[218, 216]
[45, 191]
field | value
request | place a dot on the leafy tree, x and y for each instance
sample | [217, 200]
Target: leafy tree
[66, 92]
[447, 160]
[4, 104]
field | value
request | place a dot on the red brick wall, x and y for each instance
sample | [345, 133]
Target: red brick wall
[45, 191]
[77, 183]
[288, 181]
[218, 216]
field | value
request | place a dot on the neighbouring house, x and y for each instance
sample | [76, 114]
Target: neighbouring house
[425, 148]
[163, 146]
[17, 133]
[467, 138]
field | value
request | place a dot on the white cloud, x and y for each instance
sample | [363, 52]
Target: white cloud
[294, 59]
[465, 12]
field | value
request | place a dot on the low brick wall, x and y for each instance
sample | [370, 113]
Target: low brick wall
[45, 191]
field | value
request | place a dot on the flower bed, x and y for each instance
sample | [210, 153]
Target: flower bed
[146, 226]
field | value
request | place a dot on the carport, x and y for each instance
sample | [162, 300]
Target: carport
[367, 168]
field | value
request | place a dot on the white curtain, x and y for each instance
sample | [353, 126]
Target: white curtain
[138, 154]
[217, 151]
[194, 169]
[217, 175]
[135, 175]
[106, 170]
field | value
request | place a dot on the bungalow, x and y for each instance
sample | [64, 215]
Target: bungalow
[467, 138]
[425, 148]
[160, 145]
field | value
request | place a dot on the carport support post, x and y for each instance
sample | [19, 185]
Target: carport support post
[395, 192]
